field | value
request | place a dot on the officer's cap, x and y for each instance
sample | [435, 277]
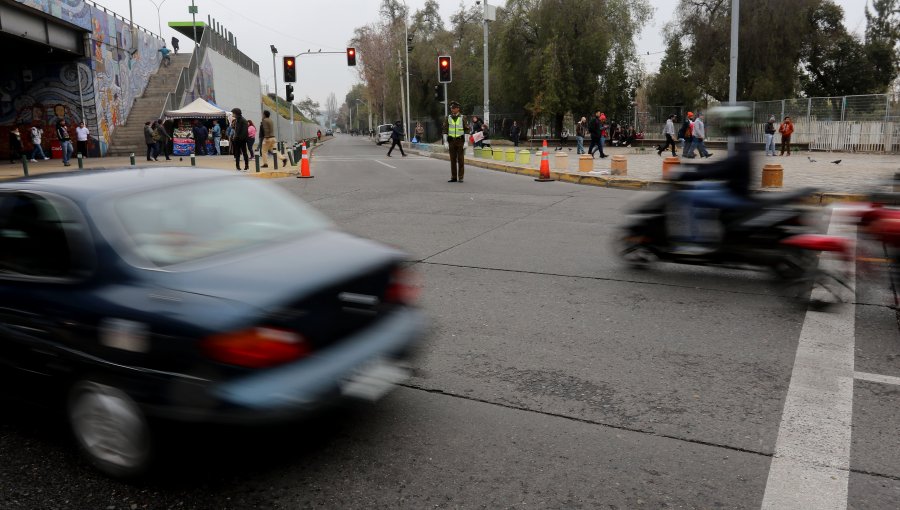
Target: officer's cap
[454, 104]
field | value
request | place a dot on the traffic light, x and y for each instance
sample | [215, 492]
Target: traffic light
[438, 93]
[290, 70]
[289, 92]
[351, 56]
[445, 69]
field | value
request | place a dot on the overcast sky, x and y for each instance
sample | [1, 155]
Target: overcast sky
[295, 26]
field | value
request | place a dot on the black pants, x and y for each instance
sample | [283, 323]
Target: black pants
[457, 151]
[152, 151]
[669, 141]
[199, 148]
[82, 147]
[396, 143]
[164, 148]
[238, 148]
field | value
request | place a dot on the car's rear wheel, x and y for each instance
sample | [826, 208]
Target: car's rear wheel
[110, 429]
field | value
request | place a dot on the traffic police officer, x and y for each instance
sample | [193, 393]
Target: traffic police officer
[455, 128]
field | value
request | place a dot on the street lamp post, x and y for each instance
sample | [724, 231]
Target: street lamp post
[275, 75]
[158, 18]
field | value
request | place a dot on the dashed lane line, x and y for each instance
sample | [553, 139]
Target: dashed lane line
[811, 464]
[385, 164]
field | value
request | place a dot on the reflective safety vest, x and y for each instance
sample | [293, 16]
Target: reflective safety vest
[455, 128]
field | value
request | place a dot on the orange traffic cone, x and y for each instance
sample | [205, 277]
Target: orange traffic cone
[304, 164]
[545, 166]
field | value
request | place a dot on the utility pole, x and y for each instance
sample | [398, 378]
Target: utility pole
[193, 9]
[402, 93]
[732, 79]
[406, 35]
[487, 100]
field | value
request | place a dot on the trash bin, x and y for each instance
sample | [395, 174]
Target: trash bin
[56, 150]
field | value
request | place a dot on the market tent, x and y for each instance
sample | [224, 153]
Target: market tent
[199, 109]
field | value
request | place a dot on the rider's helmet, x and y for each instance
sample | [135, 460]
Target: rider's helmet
[730, 119]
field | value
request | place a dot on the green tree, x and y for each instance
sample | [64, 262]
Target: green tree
[672, 85]
[882, 37]
[834, 63]
[771, 34]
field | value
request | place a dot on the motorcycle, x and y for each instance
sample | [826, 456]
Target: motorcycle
[777, 233]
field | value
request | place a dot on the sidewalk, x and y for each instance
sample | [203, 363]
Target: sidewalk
[856, 173]
[224, 162]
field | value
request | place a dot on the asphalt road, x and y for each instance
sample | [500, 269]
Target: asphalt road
[553, 377]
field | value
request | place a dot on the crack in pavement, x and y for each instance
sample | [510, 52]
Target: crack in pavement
[488, 231]
[436, 391]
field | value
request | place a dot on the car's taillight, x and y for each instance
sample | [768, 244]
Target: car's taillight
[256, 347]
[404, 287]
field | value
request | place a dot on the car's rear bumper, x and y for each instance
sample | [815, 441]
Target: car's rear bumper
[324, 378]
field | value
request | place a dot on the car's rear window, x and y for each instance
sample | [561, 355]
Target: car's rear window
[385, 128]
[178, 224]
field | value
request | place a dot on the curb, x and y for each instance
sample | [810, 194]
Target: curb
[628, 183]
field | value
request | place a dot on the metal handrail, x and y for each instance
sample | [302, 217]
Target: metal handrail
[187, 76]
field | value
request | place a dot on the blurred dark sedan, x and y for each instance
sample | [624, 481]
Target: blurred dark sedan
[193, 295]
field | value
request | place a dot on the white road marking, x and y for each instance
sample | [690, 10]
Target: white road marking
[877, 378]
[810, 467]
[385, 164]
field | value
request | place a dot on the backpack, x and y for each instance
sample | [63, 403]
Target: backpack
[681, 131]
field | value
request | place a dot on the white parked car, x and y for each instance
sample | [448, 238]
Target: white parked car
[383, 133]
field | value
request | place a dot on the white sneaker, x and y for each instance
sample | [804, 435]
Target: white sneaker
[46, 159]
[33, 160]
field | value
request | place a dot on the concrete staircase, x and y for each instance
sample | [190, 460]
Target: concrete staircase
[129, 137]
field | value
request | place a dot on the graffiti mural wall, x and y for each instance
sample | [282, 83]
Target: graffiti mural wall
[99, 90]
[76, 12]
[120, 74]
[203, 83]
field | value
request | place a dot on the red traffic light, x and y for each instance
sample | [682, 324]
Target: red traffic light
[289, 70]
[351, 56]
[445, 69]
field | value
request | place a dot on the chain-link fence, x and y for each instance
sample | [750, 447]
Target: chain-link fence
[868, 123]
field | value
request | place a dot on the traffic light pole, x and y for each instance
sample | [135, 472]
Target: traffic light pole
[275, 74]
[446, 102]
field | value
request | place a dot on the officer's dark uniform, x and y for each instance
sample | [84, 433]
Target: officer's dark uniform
[456, 127]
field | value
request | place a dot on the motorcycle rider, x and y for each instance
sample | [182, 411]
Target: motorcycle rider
[727, 189]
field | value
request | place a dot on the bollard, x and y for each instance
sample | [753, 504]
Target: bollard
[291, 157]
[669, 165]
[193, 160]
[772, 176]
[619, 165]
[476, 151]
[256, 157]
[896, 187]
[511, 155]
[25, 165]
[561, 161]
[132, 159]
[80, 161]
[585, 163]
[276, 158]
[497, 154]
[524, 157]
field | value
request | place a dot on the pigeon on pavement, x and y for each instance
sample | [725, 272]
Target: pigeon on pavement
[811, 160]
[837, 162]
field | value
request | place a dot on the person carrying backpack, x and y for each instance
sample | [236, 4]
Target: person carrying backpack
[686, 133]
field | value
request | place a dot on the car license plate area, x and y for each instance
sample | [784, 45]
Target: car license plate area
[374, 379]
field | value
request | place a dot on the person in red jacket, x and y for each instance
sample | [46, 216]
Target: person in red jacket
[786, 129]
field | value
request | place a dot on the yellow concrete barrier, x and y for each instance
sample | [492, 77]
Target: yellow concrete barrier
[585, 163]
[772, 176]
[511, 155]
[561, 161]
[619, 165]
[524, 157]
